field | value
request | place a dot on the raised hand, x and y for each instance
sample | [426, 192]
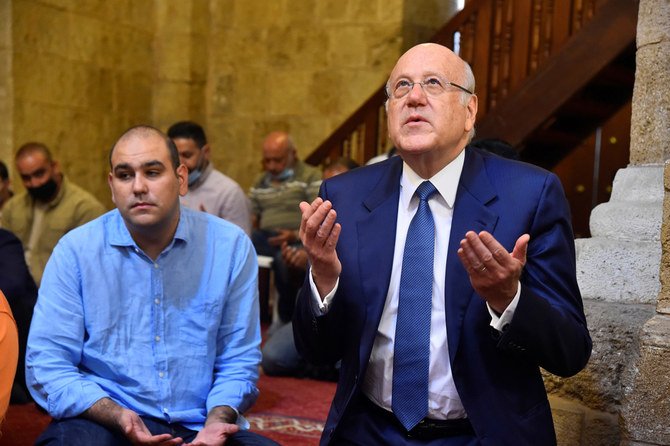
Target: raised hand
[319, 234]
[494, 272]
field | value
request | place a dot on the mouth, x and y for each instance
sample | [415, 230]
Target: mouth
[415, 119]
[141, 205]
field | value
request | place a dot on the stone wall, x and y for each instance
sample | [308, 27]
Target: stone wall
[82, 72]
[300, 66]
[296, 66]
[623, 272]
[6, 88]
[75, 74]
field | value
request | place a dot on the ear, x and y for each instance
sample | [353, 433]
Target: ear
[110, 178]
[205, 151]
[182, 176]
[471, 113]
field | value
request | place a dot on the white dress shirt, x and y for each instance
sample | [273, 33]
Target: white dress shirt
[444, 401]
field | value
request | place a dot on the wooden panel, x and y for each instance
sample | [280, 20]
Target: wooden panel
[576, 170]
[480, 61]
[498, 15]
[505, 41]
[560, 23]
[615, 25]
[520, 48]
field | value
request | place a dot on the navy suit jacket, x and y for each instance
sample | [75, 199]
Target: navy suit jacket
[497, 375]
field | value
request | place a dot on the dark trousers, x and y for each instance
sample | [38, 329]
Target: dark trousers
[362, 426]
[83, 432]
[287, 280]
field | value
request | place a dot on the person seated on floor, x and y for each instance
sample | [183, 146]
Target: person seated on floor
[21, 293]
[275, 196]
[280, 356]
[50, 206]
[383, 157]
[9, 352]
[137, 336]
[497, 146]
[5, 186]
[209, 190]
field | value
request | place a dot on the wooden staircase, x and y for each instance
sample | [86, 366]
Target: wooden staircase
[548, 72]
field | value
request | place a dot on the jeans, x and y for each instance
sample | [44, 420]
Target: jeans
[83, 432]
[287, 280]
[280, 357]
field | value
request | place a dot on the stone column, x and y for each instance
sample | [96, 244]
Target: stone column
[646, 406]
[6, 88]
[621, 264]
[181, 55]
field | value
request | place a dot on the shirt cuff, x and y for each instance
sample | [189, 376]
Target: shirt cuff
[501, 322]
[242, 422]
[319, 307]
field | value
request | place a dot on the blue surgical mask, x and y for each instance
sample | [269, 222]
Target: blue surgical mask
[283, 175]
[194, 176]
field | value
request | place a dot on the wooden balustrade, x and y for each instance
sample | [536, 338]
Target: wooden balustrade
[504, 41]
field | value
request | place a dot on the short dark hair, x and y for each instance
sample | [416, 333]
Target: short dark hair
[497, 146]
[4, 173]
[188, 130]
[145, 130]
[33, 147]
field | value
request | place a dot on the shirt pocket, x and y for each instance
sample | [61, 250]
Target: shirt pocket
[197, 333]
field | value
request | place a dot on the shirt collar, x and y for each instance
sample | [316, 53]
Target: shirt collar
[445, 181]
[120, 236]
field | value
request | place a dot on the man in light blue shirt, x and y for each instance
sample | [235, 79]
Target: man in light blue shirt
[146, 329]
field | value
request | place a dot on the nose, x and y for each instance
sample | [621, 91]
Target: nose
[139, 185]
[34, 181]
[416, 95]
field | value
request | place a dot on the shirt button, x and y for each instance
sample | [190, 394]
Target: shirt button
[157, 338]
[161, 374]
[157, 301]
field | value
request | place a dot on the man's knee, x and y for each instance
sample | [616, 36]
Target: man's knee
[79, 432]
[246, 438]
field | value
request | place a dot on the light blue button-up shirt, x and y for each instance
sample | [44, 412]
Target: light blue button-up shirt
[170, 338]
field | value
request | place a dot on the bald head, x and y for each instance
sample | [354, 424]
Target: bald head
[431, 107]
[146, 131]
[278, 152]
[456, 69]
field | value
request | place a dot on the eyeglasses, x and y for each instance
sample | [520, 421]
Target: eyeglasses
[432, 86]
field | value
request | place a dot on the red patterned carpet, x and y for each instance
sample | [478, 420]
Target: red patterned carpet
[290, 411]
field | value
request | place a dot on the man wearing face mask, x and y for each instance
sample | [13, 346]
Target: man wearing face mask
[275, 197]
[48, 208]
[208, 189]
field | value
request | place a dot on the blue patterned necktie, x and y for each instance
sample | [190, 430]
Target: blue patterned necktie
[412, 332]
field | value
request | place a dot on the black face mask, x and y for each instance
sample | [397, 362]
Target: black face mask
[44, 192]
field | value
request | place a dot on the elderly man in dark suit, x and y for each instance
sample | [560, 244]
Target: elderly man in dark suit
[443, 279]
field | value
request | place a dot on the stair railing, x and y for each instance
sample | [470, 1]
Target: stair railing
[504, 41]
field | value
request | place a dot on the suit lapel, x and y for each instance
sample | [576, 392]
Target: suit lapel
[376, 241]
[470, 213]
